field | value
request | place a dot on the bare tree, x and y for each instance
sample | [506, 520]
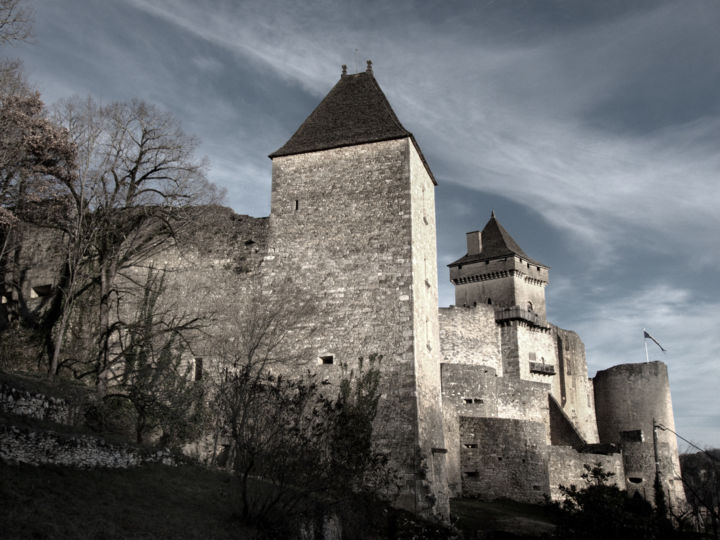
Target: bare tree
[138, 183]
[293, 439]
[15, 21]
[157, 373]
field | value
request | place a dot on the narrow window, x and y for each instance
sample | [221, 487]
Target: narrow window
[476, 400]
[327, 359]
[198, 369]
[472, 474]
[490, 301]
[41, 291]
[470, 445]
[297, 205]
[468, 400]
[529, 306]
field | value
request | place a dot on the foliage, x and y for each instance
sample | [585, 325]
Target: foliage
[306, 445]
[601, 511]
[701, 479]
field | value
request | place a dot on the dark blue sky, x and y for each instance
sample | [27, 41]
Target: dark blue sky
[592, 128]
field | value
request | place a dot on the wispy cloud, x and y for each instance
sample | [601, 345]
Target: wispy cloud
[687, 326]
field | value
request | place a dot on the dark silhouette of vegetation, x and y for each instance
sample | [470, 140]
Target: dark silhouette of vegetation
[701, 478]
[155, 378]
[601, 511]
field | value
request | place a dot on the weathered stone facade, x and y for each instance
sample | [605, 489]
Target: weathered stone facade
[484, 399]
[35, 447]
[631, 400]
[542, 409]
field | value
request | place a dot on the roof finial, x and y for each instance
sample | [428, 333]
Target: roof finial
[492, 214]
[344, 70]
[369, 67]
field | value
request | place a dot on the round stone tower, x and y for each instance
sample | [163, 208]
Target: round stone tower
[634, 410]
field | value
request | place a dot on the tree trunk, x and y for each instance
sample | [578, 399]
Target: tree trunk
[107, 275]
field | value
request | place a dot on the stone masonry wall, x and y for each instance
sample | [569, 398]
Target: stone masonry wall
[491, 280]
[470, 336]
[467, 391]
[36, 405]
[566, 467]
[341, 228]
[571, 386]
[427, 351]
[18, 445]
[503, 458]
[628, 398]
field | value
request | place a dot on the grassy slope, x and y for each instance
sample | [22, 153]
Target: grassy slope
[148, 502]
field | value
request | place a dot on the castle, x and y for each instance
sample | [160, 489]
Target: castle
[485, 398]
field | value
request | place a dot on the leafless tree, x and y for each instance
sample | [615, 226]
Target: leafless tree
[138, 183]
[15, 21]
[292, 438]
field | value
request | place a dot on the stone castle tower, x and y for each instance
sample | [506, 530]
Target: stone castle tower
[520, 412]
[486, 398]
[353, 225]
[497, 272]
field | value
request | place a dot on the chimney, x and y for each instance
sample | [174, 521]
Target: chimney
[474, 242]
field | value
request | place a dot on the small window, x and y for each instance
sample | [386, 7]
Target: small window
[41, 291]
[635, 480]
[499, 458]
[529, 306]
[487, 262]
[474, 304]
[249, 242]
[198, 369]
[490, 301]
[297, 205]
[327, 359]
[633, 435]
[477, 400]
[468, 400]
[470, 445]
[472, 474]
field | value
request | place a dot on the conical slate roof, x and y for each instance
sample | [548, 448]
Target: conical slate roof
[496, 243]
[355, 111]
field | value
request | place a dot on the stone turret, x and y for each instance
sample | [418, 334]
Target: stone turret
[631, 401]
[497, 271]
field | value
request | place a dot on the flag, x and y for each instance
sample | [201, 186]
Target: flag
[648, 336]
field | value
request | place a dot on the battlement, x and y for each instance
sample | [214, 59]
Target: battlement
[516, 313]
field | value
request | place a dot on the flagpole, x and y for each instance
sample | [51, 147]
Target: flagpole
[647, 357]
